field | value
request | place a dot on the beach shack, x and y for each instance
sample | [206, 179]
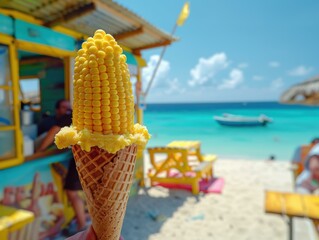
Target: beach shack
[38, 43]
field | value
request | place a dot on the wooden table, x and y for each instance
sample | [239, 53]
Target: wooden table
[292, 205]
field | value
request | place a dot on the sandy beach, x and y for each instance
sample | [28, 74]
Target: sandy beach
[236, 213]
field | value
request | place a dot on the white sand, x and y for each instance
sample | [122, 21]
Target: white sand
[237, 213]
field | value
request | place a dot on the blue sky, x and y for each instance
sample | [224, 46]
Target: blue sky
[231, 50]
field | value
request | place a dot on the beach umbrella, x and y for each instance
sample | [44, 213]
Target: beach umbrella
[306, 92]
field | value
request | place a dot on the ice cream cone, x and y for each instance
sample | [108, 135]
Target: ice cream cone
[106, 179]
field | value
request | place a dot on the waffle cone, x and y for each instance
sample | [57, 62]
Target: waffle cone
[106, 180]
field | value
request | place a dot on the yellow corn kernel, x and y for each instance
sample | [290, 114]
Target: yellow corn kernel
[120, 89]
[113, 43]
[98, 44]
[116, 129]
[94, 70]
[87, 103]
[105, 114]
[93, 64]
[118, 49]
[96, 103]
[106, 121]
[85, 71]
[88, 121]
[113, 86]
[92, 50]
[116, 123]
[96, 90]
[97, 128]
[100, 61]
[109, 62]
[122, 108]
[87, 84]
[97, 122]
[88, 109]
[88, 96]
[100, 31]
[101, 54]
[97, 96]
[81, 96]
[103, 76]
[90, 40]
[87, 77]
[95, 77]
[88, 90]
[114, 97]
[105, 102]
[115, 117]
[105, 90]
[107, 127]
[110, 69]
[95, 83]
[105, 44]
[105, 108]
[84, 46]
[102, 68]
[96, 109]
[92, 57]
[96, 116]
[114, 103]
[108, 50]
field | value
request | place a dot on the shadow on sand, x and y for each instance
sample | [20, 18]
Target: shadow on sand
[147, 212]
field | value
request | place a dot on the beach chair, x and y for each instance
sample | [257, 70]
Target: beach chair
[171, 165]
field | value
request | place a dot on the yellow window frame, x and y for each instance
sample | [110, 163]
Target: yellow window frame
[15, 45]
[14, 71]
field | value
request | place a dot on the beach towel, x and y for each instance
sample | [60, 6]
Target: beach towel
[214, 185]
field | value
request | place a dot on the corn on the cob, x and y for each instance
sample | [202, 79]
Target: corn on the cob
[102, 89]
[103, 102]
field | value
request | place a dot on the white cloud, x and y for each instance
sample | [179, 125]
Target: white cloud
[207, 68]
[274, 64]
[257, 78]
[300, 71]
[162, 71]
[243, 65]
[236, 76]
[174, 86]
[277, 83]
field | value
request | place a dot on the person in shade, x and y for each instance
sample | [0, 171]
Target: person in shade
[72, 182]
[62, 107]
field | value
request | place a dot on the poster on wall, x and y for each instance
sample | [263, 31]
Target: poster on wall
[36, 186]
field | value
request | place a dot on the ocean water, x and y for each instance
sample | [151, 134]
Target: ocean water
[293, 125]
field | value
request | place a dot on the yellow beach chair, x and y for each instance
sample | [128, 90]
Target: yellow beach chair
[171, 165]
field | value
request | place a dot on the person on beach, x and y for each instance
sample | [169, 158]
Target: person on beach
[308, 181]
[301, 155]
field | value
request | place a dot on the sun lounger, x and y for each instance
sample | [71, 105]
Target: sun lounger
[180, 165]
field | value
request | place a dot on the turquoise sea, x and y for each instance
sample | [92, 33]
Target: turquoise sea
[293, 125]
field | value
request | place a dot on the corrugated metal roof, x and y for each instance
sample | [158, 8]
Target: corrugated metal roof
[85, 16]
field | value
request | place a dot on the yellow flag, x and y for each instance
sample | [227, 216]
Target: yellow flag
[183, 15]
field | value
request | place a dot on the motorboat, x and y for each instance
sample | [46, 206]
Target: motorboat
[242, 121]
